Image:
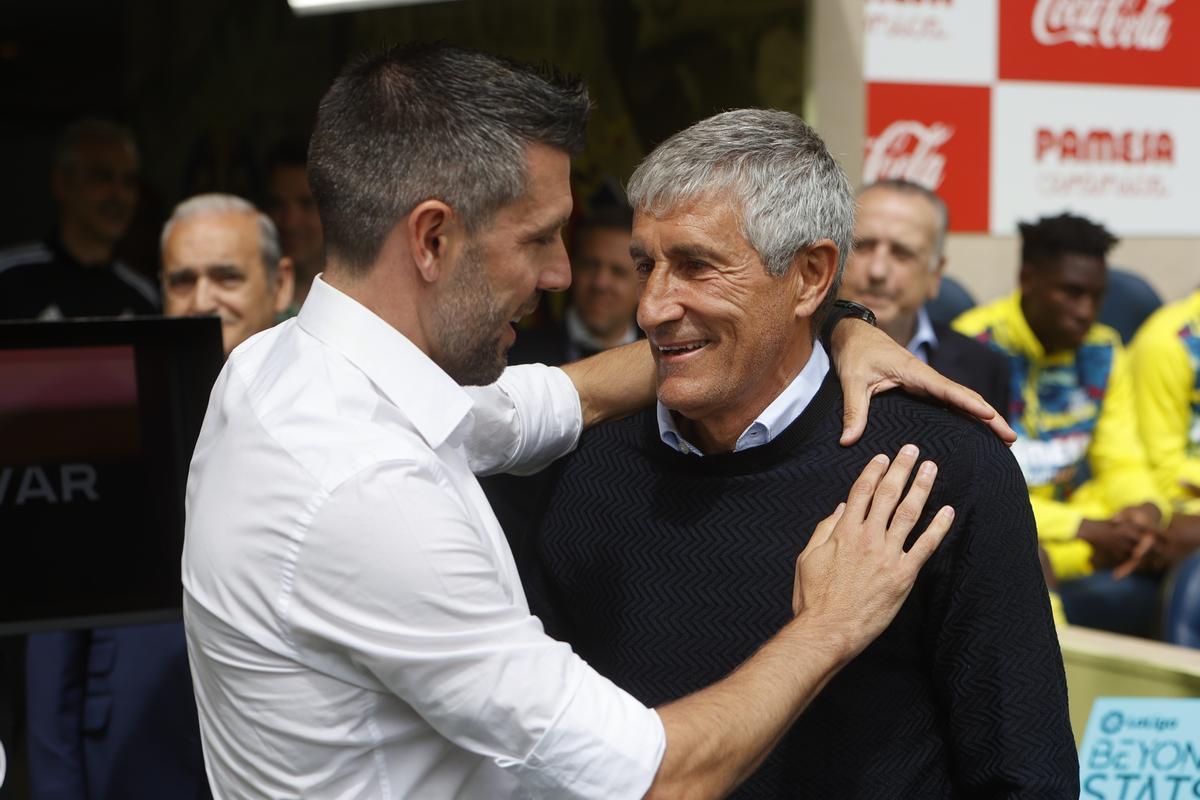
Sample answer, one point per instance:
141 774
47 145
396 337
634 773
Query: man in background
290 204
896 267
222 256
1098 509
72 272
603 295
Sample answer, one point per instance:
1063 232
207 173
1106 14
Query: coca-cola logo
908 150
1102 145
1110 24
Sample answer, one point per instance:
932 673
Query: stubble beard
468 323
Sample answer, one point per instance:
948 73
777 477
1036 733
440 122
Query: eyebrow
680 252
546 230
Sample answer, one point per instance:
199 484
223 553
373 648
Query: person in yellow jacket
1166 368
1165 358
1097 506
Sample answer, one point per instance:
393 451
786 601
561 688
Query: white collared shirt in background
924 340
356 627
783 410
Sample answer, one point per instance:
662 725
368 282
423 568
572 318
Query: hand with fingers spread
855 571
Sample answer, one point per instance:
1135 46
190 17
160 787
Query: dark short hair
431 121
1046 241
286 153
614 215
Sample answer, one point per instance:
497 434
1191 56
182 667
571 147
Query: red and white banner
1014 109
1141 42
936 136
1125 156
930 41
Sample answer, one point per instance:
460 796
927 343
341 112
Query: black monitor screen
97 424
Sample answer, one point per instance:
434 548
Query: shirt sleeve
1163 381
399 575
996 658
524 421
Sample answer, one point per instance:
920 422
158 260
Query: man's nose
659 303
878 265
205 301
556 275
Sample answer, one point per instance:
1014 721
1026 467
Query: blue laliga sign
1137 748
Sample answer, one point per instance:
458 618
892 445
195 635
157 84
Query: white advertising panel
1124 156
930 41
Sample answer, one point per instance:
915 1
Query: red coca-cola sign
1140 42
936 136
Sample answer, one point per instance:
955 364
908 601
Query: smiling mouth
681 349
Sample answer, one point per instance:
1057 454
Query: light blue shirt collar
782 411
924 340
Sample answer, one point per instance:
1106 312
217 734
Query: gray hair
790 191
89 129
941 212
215 203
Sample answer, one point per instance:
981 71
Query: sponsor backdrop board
1016 109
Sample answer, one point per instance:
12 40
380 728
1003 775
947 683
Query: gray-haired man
663 553
896 268
221 256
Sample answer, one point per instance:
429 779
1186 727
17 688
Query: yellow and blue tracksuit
1165 360
1074 414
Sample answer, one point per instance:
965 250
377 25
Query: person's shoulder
1101 335
1171 322
626 433
976 320
17 261
137 285
319 407
900 418
960 343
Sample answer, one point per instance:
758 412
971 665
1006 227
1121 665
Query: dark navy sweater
666 571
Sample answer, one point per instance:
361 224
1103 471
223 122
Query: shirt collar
924 340
429 397
782 412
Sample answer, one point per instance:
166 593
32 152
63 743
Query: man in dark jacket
896 267
664 544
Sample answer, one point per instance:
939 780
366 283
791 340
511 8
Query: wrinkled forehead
203 240
706 219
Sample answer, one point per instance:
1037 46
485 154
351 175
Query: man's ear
431 230
285 284
814 269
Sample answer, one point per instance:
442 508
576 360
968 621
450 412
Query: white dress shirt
356 626
783 410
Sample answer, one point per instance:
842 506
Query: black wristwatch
840 310
849 308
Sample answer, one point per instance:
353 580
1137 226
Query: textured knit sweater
666 571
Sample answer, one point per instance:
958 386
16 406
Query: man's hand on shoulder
869 362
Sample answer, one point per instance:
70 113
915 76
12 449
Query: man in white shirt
355 622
